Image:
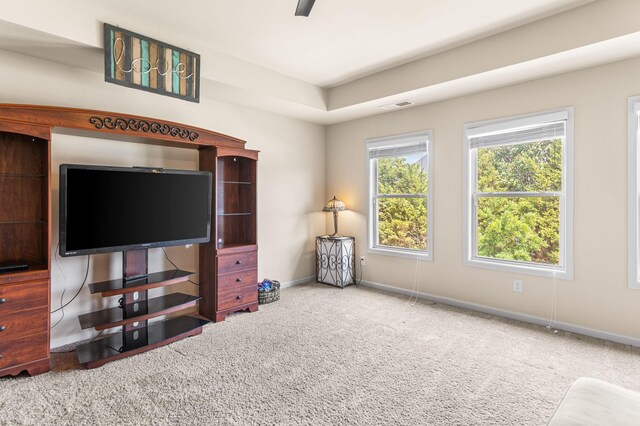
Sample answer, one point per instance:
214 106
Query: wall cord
176 266
415 291
84 281
554 306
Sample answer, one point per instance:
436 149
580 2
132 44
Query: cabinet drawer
26 349
20 296
23 323
229 282
237 262
236 297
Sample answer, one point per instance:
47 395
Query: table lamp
334 205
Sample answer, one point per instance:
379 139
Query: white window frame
398 140
633 188
565 268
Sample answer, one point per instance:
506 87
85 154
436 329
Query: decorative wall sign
143 63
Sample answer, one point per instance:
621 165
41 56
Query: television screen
109 209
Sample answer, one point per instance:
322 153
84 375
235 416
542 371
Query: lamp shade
334 205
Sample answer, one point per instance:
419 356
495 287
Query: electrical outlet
363 261
518 286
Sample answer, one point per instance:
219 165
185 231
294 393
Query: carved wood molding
143 126
165 132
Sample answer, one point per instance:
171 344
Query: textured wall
598 297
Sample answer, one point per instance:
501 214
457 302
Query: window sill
415 255
559 273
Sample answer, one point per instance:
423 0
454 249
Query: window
518 190
400 203
634 193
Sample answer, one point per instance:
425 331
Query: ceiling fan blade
304 7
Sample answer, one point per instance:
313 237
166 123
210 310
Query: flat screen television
110 209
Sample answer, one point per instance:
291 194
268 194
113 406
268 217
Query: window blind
398 150
540 132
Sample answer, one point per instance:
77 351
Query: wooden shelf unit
231 284
25 235
235 200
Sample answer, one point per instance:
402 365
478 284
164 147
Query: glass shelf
235 214
113 317
236 182
117 345
122 286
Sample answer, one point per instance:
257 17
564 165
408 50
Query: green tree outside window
402 220
516 227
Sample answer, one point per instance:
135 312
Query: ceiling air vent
398 105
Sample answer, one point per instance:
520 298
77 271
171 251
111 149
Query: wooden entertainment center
227 264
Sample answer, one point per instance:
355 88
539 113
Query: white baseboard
298 282
573 328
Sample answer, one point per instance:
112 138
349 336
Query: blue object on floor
265 285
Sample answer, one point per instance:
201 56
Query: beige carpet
321 356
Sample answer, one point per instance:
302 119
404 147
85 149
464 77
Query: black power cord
167 256
84 281
176 266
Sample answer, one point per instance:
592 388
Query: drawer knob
238 297
2 327
238 262
3 300
238 280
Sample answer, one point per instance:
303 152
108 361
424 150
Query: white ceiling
342 39
350 57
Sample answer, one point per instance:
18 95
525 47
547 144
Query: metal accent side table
335 260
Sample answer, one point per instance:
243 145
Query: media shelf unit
228 263
134 312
